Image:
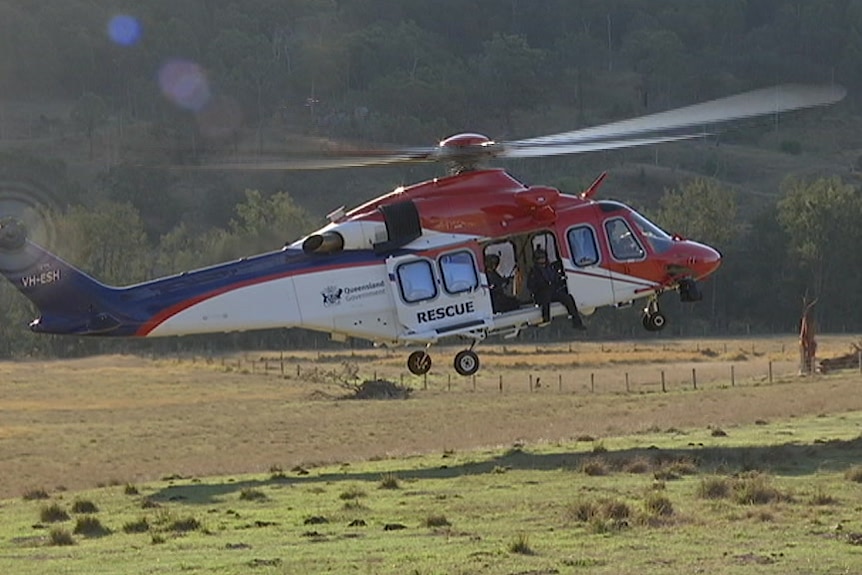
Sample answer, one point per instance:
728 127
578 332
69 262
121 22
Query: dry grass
153 418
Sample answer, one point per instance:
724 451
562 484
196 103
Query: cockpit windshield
659 239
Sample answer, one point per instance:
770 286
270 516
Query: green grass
769 498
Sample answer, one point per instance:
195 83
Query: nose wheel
653 319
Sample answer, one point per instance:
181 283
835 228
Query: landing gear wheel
419 362
654 321
466 362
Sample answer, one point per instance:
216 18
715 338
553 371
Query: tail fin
69 301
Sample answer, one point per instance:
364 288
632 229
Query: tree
508 75
821 218
88 113
107 241
702 210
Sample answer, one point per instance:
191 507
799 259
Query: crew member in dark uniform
500 300
547 281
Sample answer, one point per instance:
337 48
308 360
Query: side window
416 280
582 244
622 241
459 272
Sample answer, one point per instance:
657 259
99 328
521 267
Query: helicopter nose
704 259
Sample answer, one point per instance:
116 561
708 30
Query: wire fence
576 368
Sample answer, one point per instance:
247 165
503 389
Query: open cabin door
438 296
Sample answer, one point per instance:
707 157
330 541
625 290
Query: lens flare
124 29
184 83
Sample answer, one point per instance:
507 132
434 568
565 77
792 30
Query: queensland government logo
331 296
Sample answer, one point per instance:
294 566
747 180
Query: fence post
560 381
501 384
732 377
531 382
592 382
449 382
628 389
770 371
694 378
663 388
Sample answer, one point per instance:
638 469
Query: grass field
250 462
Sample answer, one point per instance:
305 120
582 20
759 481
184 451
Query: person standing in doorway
547 281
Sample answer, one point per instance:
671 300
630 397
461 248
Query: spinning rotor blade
326 160
465 151
746 105
580 148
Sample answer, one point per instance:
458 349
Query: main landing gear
653 319
466 362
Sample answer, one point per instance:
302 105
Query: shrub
53 513
84 506
389 481
437 521
595 466
820 497
351 493
130 489
602 516
139 526
521 545
756 489
637 465
854 474
35 494
184 525
90 526
582 511
615 510
251 494
60 537
658 505
713 488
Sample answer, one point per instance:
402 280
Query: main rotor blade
782 98
327 160
580 148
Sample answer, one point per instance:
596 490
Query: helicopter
408 268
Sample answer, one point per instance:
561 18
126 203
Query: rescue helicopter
408 267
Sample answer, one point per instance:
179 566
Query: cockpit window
658 239
624 245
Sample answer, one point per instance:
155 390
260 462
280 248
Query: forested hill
97 97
